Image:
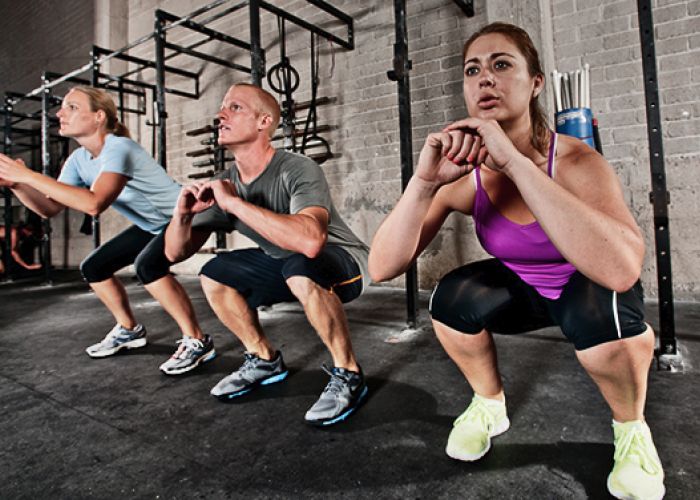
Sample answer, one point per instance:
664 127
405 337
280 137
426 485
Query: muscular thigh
590 314
487 295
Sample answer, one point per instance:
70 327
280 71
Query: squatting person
281 201
566 250
110 169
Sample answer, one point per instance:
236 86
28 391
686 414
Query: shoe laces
478 413
336 383
187 345
113 334
250 362
632 442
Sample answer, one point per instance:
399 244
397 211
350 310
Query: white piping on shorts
615 315
430 302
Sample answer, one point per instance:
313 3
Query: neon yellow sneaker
472 431
637 473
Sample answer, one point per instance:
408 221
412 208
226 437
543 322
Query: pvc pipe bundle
572 89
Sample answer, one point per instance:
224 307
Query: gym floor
74 427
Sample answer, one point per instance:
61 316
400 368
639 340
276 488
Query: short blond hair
266 103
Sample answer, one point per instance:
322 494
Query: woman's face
75 117
497 84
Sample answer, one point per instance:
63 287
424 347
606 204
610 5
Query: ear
101 116
539 86
265 121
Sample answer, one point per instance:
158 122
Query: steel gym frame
668 354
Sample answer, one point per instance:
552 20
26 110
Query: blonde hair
267 103
100 100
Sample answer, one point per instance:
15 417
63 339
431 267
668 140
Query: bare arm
93 201
36 201
305 232
438 188
586 219
181 241
14 246
584 215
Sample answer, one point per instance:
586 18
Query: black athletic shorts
261 279
488 295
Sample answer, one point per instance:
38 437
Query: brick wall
365 178
605 34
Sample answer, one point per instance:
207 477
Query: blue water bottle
576 122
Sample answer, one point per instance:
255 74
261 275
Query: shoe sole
471 458
202 359
625 496
132 344
342 416
271 380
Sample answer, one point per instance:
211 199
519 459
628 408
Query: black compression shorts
488 295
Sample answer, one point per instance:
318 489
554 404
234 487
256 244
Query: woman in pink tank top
566 250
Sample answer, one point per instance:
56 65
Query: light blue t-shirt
149 197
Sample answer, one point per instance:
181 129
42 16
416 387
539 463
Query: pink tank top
524 249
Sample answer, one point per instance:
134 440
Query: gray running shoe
189 355
344 393
118 338
253 372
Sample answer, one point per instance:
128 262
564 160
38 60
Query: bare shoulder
458 196
581 169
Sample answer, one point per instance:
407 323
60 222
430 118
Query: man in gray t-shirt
306 252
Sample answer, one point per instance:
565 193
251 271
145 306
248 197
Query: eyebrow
495 55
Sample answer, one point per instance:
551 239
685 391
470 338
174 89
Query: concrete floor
74 427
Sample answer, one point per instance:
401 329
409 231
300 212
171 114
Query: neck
252 159
519 132
93 143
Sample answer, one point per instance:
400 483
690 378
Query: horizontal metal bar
223 13
182 93
213 34
206 57
308 26
148 64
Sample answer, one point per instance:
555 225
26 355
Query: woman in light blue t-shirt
109 169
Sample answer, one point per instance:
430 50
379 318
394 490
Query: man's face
240 121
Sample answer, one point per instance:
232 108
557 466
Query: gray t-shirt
290 183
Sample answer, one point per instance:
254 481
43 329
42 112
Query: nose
59 113
486 78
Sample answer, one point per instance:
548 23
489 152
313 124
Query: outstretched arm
93 201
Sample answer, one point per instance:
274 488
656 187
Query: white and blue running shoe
118 338
344 394
253 373
189 355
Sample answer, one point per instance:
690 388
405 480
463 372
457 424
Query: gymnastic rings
285 76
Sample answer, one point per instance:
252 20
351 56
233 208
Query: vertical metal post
257 59
400 74
120 86
46 170
95 79
660 197
7 194
159 114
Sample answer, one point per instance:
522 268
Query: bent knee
465 316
